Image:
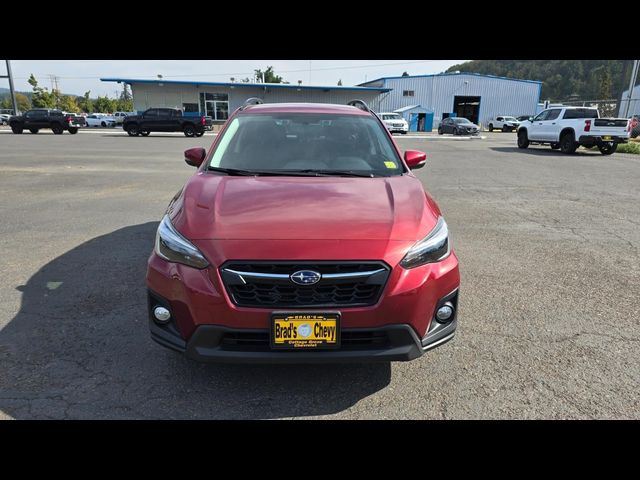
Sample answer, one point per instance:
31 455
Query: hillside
562 79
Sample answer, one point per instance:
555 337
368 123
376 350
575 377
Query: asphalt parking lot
550 299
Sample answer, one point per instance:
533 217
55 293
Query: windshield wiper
331 173
254 173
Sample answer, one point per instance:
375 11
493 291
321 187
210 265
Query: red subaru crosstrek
303 237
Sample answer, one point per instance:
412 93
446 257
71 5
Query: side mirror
531 119
195 156
415 159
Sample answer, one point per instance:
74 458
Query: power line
347 67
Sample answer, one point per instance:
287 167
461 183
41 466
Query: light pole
11 89
632 83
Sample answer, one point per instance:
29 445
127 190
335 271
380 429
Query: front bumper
204 316
215 343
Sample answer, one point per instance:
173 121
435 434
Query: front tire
132 130
505 129
73 130
145 133
199 134
456 132
189 131
523 139
57 129
568 143
439 131
103 124
16 130
491 127
34 130
608 148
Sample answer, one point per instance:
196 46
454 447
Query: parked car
96 120
458 126
120 116
635 126
166 120
567 128
394 122
38 118
4 118
303 236
504 123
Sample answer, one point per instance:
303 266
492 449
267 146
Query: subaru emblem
305 277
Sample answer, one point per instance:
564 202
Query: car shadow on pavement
545 150
79 348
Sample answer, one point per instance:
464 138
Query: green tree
68 103
405 74
41 97
104 104
22 100
268 76
85 103
124 105
126 94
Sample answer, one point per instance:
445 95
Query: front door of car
446 126
549 129
535 128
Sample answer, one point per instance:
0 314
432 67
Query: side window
29 114
499 119
553 114
541 116
152 112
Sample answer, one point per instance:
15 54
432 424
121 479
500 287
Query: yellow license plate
606 137
304 331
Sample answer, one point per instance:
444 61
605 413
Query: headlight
432 248
173 247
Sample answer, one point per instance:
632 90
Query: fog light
444 313
162 314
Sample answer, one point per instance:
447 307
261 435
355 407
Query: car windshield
309 144
391 116
461 120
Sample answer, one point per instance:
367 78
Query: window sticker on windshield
389 164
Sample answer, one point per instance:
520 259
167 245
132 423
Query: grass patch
629 148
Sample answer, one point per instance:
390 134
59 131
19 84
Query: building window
215 105
407 93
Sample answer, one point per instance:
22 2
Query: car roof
304 108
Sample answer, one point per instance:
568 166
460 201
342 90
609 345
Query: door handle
553 123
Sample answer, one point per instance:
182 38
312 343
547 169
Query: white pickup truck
567 128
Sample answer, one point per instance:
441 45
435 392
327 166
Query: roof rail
251 101
359 104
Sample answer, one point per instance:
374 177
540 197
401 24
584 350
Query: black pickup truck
166 120
38 118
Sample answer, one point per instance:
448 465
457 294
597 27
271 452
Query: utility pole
12 90
632 83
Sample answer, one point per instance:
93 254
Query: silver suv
394 122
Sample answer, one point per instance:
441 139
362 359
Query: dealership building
423 100
217 99
471 95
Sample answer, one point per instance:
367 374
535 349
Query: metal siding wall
498 96
173 96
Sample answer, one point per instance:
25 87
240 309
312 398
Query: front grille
259 340
268 284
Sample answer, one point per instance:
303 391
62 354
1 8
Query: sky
78 76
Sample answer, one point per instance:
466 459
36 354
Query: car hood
303 208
